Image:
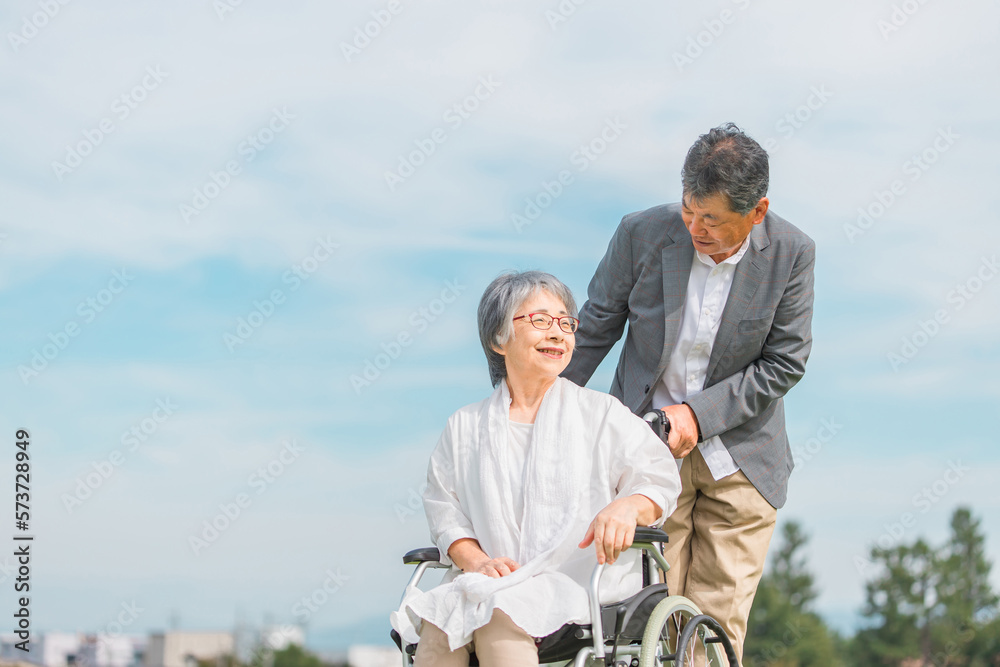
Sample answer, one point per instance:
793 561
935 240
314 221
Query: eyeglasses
543 321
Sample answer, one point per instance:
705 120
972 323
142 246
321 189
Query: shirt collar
729 260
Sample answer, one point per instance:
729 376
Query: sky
242 245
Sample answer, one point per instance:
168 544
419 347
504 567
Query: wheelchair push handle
659 422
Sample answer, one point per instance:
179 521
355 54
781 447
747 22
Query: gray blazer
760 351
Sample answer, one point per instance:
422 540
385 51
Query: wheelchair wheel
677 634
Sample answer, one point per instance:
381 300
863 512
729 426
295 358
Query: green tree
782 630
263 656
981 646
899 602
788 572
964 587
969 604
935 605
225 660
296 656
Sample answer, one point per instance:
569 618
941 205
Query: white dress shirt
707 292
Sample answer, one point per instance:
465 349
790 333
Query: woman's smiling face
532 353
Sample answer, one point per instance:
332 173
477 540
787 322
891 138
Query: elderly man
718 294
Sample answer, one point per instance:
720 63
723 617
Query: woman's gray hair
728 162
500 302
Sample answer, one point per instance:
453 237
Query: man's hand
683 436
613 529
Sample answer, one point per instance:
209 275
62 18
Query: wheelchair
651 628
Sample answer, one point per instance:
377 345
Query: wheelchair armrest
647 539
425 559
646 534
422 555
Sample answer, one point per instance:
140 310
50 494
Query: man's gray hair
728 162
500 302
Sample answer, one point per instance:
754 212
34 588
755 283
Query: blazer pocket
750 335
751 327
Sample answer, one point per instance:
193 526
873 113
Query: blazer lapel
676 262
749 273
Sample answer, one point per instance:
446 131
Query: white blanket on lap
586 450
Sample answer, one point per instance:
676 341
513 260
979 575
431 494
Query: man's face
716 230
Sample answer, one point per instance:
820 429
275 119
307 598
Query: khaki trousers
499 643
719 536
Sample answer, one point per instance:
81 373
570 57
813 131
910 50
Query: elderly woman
521 485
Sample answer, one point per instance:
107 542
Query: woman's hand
613 529
496 567
470 557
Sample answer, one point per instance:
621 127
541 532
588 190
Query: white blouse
586 449
519 439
